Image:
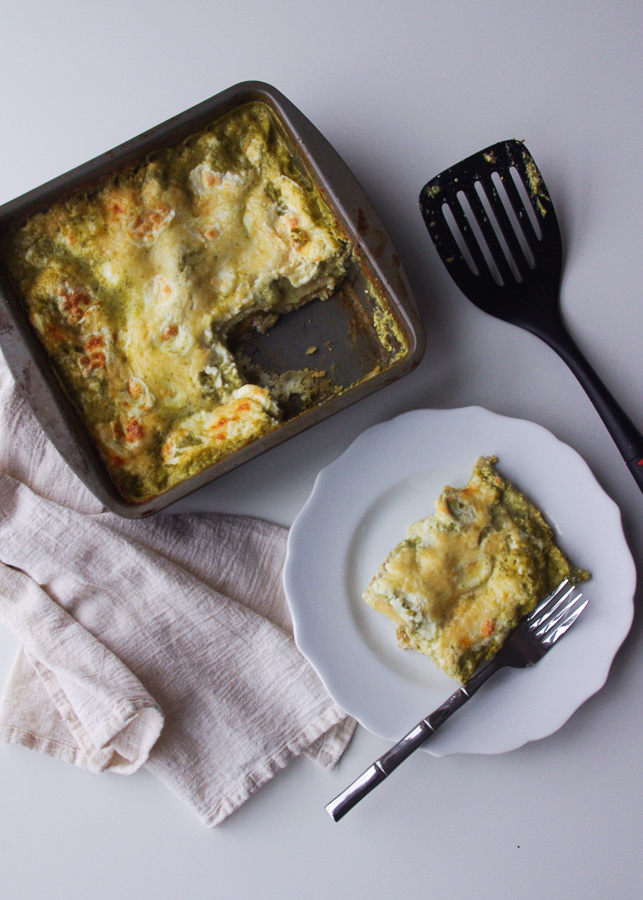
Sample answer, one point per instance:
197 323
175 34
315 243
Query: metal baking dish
342 327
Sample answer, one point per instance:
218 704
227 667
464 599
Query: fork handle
389 761
626 435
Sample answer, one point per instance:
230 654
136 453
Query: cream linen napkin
164 642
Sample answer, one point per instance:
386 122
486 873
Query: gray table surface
402 91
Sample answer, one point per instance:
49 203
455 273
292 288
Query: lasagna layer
135 288
463 578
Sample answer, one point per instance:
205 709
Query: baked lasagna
463 578
137 287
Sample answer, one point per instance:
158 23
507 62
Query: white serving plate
359 509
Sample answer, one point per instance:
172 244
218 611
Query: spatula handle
626 435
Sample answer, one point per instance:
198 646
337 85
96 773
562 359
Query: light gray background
402 91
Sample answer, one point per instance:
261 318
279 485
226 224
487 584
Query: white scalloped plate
359 509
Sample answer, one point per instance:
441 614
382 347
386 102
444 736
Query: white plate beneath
360 508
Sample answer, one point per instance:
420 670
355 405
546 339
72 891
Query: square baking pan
343 329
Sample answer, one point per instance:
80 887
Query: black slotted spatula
494 226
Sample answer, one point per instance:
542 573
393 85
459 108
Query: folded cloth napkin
162 642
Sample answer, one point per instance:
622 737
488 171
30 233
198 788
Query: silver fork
534 635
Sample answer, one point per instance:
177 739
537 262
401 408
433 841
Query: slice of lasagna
463 578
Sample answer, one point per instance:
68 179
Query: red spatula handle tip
636 468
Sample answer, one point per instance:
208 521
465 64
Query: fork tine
572 614
557 613
547 618
538 615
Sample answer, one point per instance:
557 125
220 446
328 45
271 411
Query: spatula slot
491 215
474 232
514 221
526 201
459 238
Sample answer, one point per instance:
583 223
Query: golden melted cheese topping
463 578
134 289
